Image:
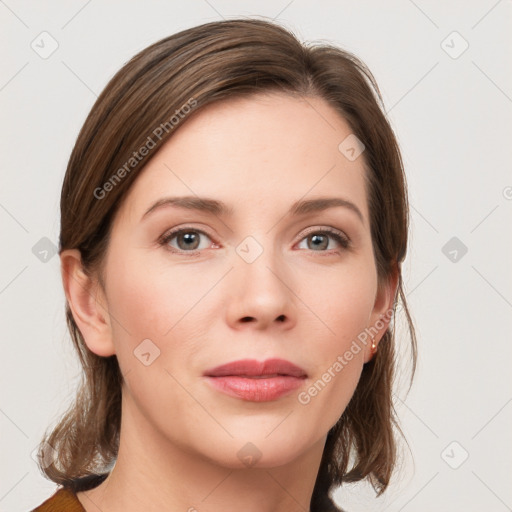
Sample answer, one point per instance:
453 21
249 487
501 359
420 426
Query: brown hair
199 66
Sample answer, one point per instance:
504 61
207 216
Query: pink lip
256 381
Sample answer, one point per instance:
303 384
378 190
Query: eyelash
164 240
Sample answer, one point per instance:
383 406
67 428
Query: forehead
252 152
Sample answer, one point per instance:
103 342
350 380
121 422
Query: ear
88 304
382 311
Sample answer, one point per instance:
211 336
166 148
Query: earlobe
87 303
382 312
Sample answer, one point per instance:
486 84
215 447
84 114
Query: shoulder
65 498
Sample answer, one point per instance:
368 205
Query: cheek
141 307
147 304
341 307
338 361
151 299
153 302
339 341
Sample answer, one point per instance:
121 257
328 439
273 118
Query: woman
252 369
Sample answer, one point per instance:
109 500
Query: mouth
250 368
256 381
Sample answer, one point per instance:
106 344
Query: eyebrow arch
219 208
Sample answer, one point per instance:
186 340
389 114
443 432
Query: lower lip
256 389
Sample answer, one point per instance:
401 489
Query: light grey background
452 113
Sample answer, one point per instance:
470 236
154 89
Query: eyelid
172 232
325 229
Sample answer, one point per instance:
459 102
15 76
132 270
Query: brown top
64 500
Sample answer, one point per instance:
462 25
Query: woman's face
253 281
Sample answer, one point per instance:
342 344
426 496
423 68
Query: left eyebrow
215 207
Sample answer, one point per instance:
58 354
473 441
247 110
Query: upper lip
254 368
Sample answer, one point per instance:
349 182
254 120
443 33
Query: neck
153 474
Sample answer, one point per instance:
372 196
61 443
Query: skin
179 436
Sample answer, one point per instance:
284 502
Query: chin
256 448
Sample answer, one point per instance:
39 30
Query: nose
261 294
